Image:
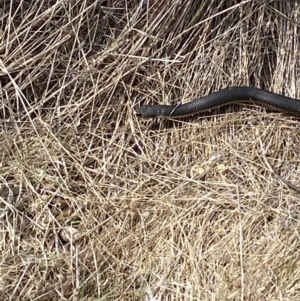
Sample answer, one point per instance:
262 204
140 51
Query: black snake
224 97
220 98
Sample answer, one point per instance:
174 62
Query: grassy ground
97 204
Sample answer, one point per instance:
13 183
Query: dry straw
96 204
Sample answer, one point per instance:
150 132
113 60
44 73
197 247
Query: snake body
223 97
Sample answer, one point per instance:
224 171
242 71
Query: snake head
152 111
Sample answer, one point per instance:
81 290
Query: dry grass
97 204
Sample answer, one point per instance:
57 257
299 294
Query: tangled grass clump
97 204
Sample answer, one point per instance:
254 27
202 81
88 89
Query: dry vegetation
97 204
